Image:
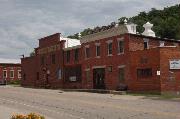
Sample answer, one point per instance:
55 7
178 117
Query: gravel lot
56 104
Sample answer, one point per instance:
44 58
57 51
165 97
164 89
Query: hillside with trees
166 23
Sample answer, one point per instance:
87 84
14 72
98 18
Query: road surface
56 104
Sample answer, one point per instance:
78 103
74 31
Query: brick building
9 72
115 58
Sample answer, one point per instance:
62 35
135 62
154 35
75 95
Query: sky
22 22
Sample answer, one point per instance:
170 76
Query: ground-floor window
19 73
147 72
11 73
5 74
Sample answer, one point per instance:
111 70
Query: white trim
109 41
145 39
161 43
71 48
97 44
88 69
121 66
19 76
86 46
96 67
10 73
169 47
97 57
120 39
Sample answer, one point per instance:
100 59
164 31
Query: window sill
97 57
120 53
109 55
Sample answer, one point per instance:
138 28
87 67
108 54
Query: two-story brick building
115 58
9 72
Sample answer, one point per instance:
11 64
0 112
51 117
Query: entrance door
98 78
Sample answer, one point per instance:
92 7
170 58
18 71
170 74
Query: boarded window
76 54
121 74
42 60
53 59
144 72
68 56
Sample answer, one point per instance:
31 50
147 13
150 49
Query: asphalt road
56 104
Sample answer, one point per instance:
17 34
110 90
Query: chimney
148 31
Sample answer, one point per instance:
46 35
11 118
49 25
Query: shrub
29 116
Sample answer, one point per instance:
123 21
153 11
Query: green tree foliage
166 22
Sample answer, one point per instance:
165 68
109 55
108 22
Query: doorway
98 78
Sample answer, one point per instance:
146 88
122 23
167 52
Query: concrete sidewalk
96 91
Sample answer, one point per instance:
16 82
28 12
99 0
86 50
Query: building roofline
70 48
157 38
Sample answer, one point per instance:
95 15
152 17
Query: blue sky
22 22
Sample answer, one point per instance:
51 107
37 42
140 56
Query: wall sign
174 64
72 78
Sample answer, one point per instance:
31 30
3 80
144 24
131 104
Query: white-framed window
87 51
161 43
19 73
109 47
146 43
120 46
98 49
11 73
4 73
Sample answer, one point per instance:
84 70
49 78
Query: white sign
158 73
174 64
72 78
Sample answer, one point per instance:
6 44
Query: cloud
22 22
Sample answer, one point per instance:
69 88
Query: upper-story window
76 54
109 47
161 43
68 56
11 73
87 51
146 43
98 50
53 58
120 46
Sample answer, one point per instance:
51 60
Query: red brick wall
168 84
137 43
28 71
8 68
111 78
141 60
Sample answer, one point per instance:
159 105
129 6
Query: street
57 104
